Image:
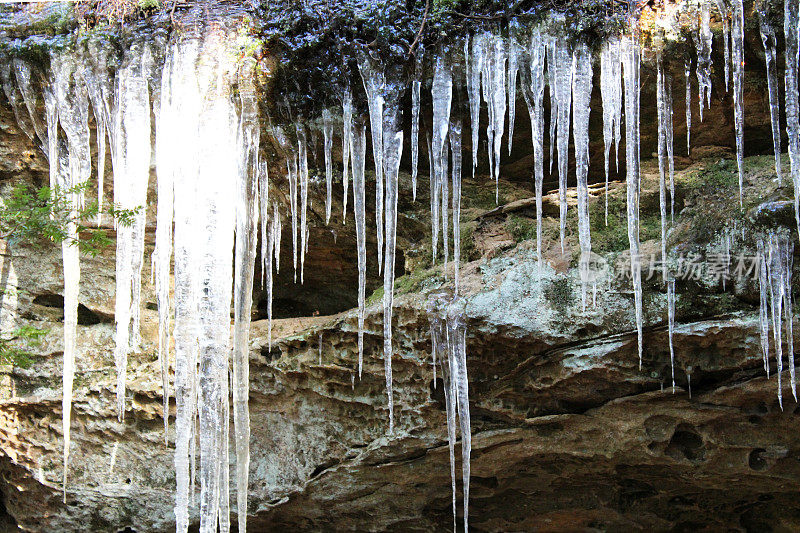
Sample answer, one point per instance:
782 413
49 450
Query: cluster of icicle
79 81
448 343
775 251
209 185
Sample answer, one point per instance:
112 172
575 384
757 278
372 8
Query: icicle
610 77
726 35
393 151
775 275
581 100
359 203
99 86
131 161
513 52
441 93
457 332
247 210
786 255
455 150
671 326
440 345
444 208
768 39
631 63
374 85
475 68
263 206
67 103
209 155
178 113
704 58
552 81
303 178
273 255
327 131
738 89
416 87
23 73
790 27
224 518
497 92
23 121
347 145
661 101
687 73
162 255
448 340
319 347
291 168
689 380
670 138
563 74
533 91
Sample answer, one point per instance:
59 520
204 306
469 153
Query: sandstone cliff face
568 432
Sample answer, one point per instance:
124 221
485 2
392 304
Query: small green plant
521 228
31 215
13 348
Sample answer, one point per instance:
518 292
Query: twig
421 28
478 17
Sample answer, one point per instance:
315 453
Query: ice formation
207 127
533 82
687 69
775 251
131 163
374 86
631 63
790 30
327 130
611 93
581 100
770 43
562 80
737 39
358 136
703 42
448 340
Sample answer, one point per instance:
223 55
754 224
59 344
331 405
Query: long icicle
533 82
327 131
247 208
416 89
790 28
737 38
581 101
631 63
442 94
347 145
455 169
68 105
162 254
359 137
131 161
374 85
393 151
687 70
563 73
769 41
